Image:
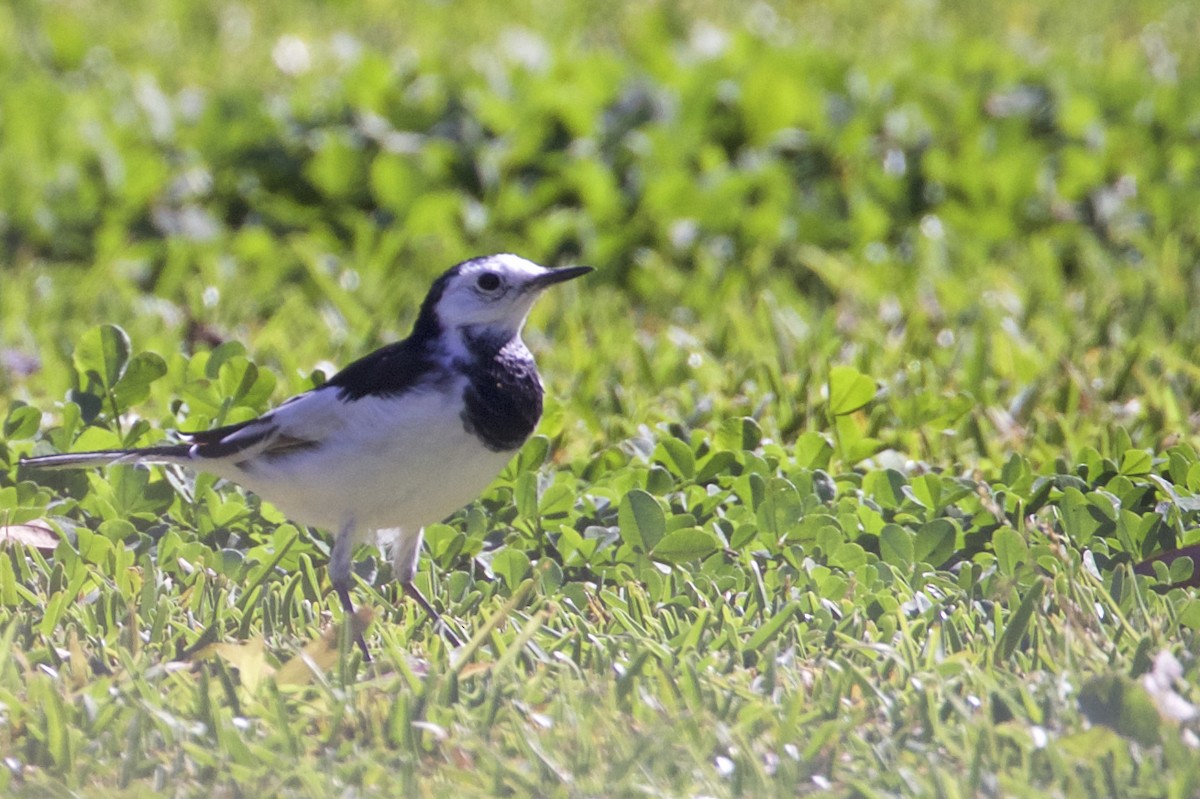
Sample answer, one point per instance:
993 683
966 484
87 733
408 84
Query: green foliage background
884 384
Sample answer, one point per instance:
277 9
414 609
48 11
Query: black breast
503 398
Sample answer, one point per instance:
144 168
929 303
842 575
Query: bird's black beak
558 276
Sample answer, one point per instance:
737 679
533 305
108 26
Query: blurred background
991 208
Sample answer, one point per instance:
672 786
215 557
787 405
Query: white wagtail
398 439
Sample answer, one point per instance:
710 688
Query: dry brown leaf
1146 567
34 534
77 664
475 669
249 658
321 654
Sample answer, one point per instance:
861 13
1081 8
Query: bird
397 440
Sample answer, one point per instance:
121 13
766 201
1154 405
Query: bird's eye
488 281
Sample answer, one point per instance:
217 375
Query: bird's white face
493 295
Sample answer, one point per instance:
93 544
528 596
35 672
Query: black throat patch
503 398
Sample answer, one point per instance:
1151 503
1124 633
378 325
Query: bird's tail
174 453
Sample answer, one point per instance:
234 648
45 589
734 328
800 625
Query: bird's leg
407 548
415 594
340 573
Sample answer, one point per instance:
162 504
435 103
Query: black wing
232 439
386 372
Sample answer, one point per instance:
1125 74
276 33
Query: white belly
381 469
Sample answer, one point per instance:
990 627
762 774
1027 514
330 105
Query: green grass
867 448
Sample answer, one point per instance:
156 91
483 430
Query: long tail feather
75 460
